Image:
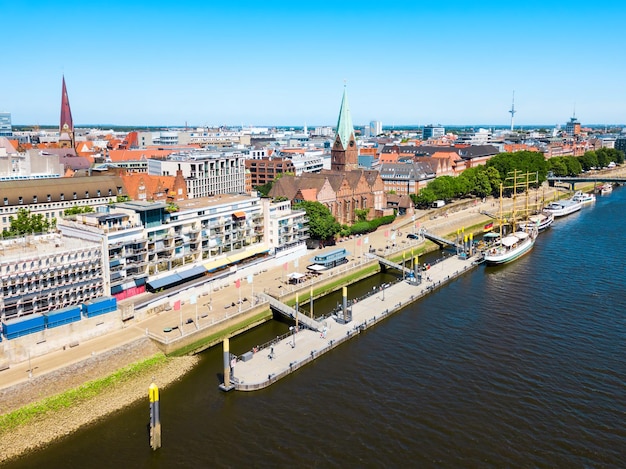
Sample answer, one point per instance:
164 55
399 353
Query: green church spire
344 123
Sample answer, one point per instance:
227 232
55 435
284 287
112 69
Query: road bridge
572 180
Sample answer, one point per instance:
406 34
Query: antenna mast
512 111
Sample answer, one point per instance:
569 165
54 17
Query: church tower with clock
66 125
344 153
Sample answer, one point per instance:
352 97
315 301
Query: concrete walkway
292 351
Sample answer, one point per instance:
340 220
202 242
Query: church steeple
344 154
66 125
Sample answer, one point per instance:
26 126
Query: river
516 366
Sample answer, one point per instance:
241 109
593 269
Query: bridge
440 241
290 313
388 263
572 180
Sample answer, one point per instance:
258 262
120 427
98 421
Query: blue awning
191 273
164 282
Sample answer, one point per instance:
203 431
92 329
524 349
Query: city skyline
282 65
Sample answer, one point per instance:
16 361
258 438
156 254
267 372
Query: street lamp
293 336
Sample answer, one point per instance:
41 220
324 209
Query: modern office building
6 130
433 131
572 128
376 128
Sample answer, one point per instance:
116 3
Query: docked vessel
521 239
584 197
542 221
560 208
606 188
511 247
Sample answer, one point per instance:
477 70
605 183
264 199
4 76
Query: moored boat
584 197
606 188
511 247
564 207
542 221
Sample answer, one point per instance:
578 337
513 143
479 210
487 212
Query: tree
588 160
573 165
25 223
76 210
558 166
322 224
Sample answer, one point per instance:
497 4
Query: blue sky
284 63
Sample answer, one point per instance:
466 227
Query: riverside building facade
153 245
206 173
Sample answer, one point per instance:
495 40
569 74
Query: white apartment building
148 247
284 227
206 173
43 273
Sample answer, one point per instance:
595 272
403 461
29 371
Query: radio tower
512 111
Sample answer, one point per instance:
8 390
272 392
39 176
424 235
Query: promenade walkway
292 351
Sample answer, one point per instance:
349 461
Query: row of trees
485 180
24 223
575 165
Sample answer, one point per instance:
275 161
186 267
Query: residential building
51 197
153 245
43 273
284 227
206 173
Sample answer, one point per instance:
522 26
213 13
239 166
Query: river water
517 366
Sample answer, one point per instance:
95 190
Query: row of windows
62 196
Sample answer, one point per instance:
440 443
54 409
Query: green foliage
588 160
171 207
25 223
265 189
122 198
361 213
74 396
77 209
322 224
522 161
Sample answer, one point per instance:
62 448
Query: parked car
412 236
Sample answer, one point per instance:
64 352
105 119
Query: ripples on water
518 366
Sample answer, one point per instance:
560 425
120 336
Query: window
49 197
6 201
86 194
34 199
74 195
62 196
20 200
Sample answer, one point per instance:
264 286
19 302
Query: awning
211 266
316 267
238 256
253 251
164 282
191 273
296 275
239 214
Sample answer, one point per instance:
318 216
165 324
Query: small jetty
263 366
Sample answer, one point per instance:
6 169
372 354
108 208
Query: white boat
606 188
511 247
564 207
542 221
584 197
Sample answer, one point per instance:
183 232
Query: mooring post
155 417
311 308
344 302
226 363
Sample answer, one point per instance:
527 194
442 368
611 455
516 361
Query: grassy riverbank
42 422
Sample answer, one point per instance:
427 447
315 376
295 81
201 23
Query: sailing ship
514 245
